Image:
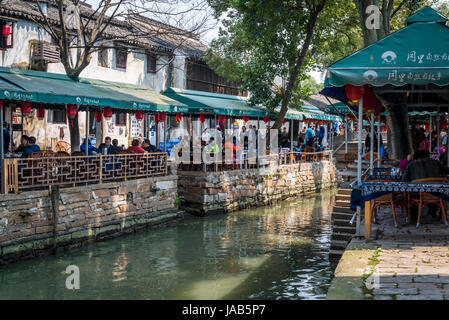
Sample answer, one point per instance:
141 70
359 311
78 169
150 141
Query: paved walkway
412 263
402 263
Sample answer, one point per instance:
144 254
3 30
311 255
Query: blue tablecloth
368 191
392 177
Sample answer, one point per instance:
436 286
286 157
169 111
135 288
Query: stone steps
342 209
336 236
343 197
344 204
342 231
342 215
339 244
342 222
335 255
344 192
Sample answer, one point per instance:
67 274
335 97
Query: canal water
274 252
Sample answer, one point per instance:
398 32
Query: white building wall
135 73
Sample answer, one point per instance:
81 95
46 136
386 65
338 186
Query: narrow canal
275 252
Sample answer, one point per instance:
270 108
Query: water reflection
276 252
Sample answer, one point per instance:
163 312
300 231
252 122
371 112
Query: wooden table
373 190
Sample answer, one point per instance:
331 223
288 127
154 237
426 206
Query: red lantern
139 114
178 117
245 118
266 119
284 121
369 99
107 112
6 31
1 104
353 92
202 118
162 116
221 118
25 107
156 118
40 113
443 124
71 112
384 128
98 116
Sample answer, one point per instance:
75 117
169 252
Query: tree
268 45
392 17
80 30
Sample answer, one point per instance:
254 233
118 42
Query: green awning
51 88
215 103
325 117
367 123
416 54
294 114
339 108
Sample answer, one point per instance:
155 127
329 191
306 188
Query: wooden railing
42 172
244 161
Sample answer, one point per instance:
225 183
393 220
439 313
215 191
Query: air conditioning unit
45 52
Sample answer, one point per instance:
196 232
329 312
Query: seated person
212 146
107 147
31 147
91 150
135 147
404 162
23 144
115 146
148 147
423 167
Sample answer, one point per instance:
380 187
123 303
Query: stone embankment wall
86 214
215 192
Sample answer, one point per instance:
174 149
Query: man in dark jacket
106 147
31 147
424 167
148 147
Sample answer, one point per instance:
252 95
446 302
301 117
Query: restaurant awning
340 109
417 54
215 103
51 88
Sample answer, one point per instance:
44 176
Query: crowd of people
110 146
314 137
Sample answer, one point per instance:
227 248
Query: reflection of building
157 63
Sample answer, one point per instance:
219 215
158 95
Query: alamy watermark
72 282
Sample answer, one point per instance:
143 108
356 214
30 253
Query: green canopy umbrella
416 54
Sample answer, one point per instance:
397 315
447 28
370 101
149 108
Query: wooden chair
62 146
309 150
349 158
391 199
427 198
368 155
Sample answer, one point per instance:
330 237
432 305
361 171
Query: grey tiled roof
118 29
